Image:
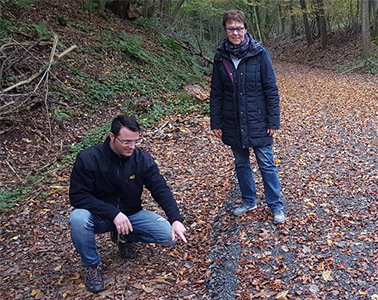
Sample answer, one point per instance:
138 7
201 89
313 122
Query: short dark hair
124 121
234 15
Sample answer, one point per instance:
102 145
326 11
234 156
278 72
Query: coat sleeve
268 79
160 191
82 187
216 98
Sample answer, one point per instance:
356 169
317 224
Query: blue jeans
148 227
269 173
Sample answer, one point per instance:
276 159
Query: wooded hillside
69 67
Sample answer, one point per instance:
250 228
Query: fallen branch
14 171
25 44
47 165
30 79
46 75
188 47
64 53
372 62
14 105
355 67
34 76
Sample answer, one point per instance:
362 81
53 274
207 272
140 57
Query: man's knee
79 218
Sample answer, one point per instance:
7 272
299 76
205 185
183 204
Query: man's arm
82 187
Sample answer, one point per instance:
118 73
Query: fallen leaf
327 275
282 295
34 292
58 268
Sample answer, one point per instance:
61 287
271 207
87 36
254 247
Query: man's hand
178 230
122 223
217 133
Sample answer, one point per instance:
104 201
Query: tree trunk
177 9
306 24
365 27
293 24
164 8
357 10
322 23
257 23
125 9
280 19
375 18
148 8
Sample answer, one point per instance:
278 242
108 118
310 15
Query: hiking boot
94 281
127 250
243 208
125 247
279 217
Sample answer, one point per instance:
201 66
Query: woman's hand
271 131
217 133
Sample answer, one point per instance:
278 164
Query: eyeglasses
232 29
129 143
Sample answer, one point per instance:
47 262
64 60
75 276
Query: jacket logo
132 177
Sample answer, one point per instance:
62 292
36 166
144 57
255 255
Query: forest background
68 67
37 76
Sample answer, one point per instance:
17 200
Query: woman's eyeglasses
232 29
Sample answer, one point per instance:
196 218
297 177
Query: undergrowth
143 75
365 65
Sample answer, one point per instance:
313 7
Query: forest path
326 152
327 156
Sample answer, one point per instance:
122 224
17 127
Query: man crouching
106 185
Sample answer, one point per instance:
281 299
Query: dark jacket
106 184
245 108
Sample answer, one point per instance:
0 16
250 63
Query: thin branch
47 165
46 75
355 67
372 62
34 76
64 53
25 44
53 50
14 171
31 78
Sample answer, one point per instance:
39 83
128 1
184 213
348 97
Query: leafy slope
326 152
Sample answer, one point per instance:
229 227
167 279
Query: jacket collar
111 154
255 48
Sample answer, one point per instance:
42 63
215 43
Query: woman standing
245 110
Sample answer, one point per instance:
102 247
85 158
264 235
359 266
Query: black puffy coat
245 107
106 184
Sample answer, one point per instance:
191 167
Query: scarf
240 50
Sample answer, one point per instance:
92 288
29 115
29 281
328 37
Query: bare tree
125 9
306 23
322 23
375 18
365 27
148 8
280 19
257 22
177 9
